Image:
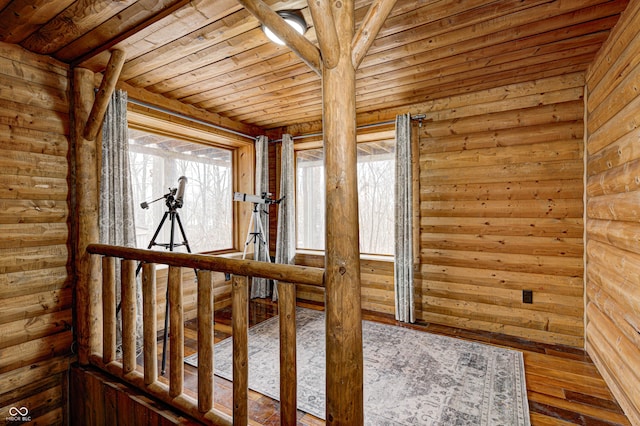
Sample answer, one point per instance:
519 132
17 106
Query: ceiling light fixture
292 17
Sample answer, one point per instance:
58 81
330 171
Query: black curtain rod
186 117
313 135
418 117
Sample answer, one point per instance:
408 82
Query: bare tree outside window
376 178
157 162
310 199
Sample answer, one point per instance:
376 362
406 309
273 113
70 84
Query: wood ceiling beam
326 31
366 34
309 53
109 80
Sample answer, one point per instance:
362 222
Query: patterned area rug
410 377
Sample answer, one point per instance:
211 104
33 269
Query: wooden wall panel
613 228
98 399
501 211
376 283
501 207
35 286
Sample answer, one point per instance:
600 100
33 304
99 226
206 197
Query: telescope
175 196
265 198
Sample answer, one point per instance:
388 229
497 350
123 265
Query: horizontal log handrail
251 268
104 356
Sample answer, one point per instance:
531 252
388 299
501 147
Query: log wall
376 279
35 257
501 206
613 228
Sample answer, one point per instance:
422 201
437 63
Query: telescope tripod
257 236
174 217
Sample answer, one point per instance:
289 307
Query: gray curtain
403 266
286 234
261 287
117 225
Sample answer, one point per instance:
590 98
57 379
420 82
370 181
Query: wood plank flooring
563 384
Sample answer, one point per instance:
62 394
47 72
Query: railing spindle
128 306
239 332
176 331
288 380
102 353
205 341
109 309
149 317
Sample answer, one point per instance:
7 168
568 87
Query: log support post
87 268
342 258
342 51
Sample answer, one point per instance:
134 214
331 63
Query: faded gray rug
410 377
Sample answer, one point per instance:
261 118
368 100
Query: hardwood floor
563 384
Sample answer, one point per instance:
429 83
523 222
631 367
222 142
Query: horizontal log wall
35 285
376 278
613 217
501 206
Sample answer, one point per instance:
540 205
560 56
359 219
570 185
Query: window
157 162
376 178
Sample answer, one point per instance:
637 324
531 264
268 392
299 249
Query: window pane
310 199
376 200
376 196
157 162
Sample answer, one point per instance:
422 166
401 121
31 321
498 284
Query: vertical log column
342 261
87 280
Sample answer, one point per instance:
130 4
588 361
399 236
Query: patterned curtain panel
286 234
261 287
403 266
117 226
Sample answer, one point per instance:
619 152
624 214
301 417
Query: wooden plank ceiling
212 53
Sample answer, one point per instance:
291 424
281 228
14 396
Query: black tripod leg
184 236
153 239
184 239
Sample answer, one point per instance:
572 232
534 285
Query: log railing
102 321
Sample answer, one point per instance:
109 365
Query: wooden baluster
240 326
288 385
128 307
176 332
149 317
205 341
109 309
